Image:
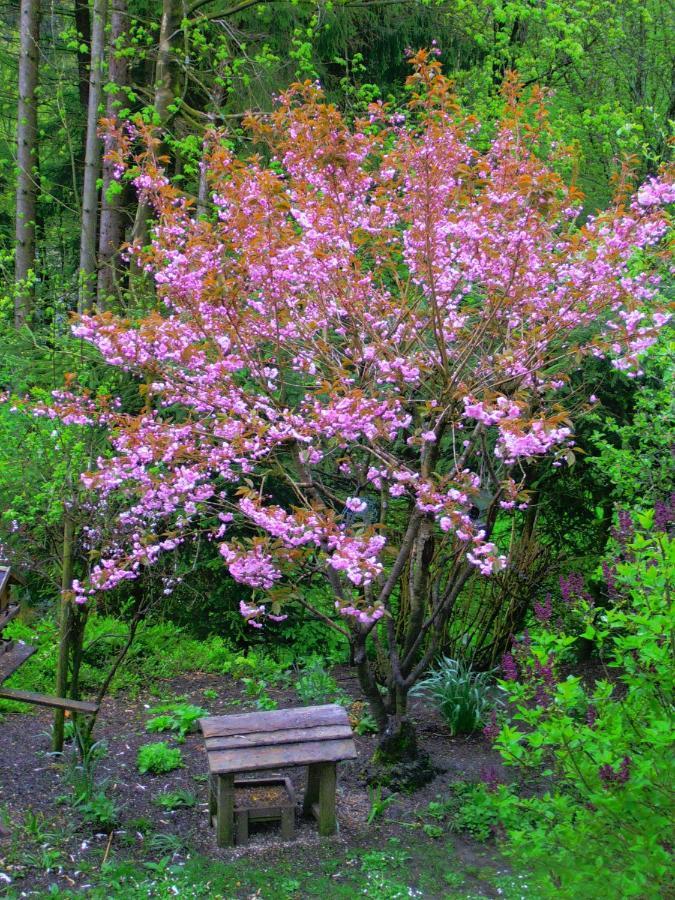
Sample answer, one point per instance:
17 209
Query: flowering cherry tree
381 317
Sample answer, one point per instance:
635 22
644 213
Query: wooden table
315 736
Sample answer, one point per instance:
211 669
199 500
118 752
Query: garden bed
32 792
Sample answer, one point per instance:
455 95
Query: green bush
158 758
461 695
601 824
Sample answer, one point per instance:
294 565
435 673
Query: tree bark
92 160
162 100
66 628
27 180
112 226
83 26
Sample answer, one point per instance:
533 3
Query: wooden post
327 788
213 805
312 789
225 814
242 827
288 824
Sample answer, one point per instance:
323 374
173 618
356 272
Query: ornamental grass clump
461 695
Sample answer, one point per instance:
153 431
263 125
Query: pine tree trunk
112 227
27 185
92 160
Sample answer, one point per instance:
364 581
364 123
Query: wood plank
80 706
4 577
241 817
273 720
327 787
288 823
12 659
272 757
225 813
9 613
289 736
311 798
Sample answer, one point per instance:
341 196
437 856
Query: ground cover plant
158 758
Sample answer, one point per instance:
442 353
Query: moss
398 763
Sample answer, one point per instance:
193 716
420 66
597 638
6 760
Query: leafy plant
265 702
100 811
158 758
607 746
168 844
469 809
378 803
181 799
461 695
89 795
315 685
179 717
366 725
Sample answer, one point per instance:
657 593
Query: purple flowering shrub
596 820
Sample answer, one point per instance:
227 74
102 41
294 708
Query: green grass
392 869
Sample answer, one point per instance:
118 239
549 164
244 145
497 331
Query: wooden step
79 706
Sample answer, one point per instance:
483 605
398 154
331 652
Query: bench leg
312 789
242 827
225 813
287 824
213 805
327 787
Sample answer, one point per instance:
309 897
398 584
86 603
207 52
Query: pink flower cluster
253 567
385 317
357 557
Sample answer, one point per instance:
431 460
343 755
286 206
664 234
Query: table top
277 738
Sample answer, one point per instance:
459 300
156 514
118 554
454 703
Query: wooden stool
315 736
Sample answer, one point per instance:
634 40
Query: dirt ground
31 782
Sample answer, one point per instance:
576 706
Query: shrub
461 695
604 827
158 758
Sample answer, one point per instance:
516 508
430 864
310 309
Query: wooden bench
14 657
315 736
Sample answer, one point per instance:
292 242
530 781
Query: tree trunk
112 227
66 628
162 101
27 180
92 160
83 26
